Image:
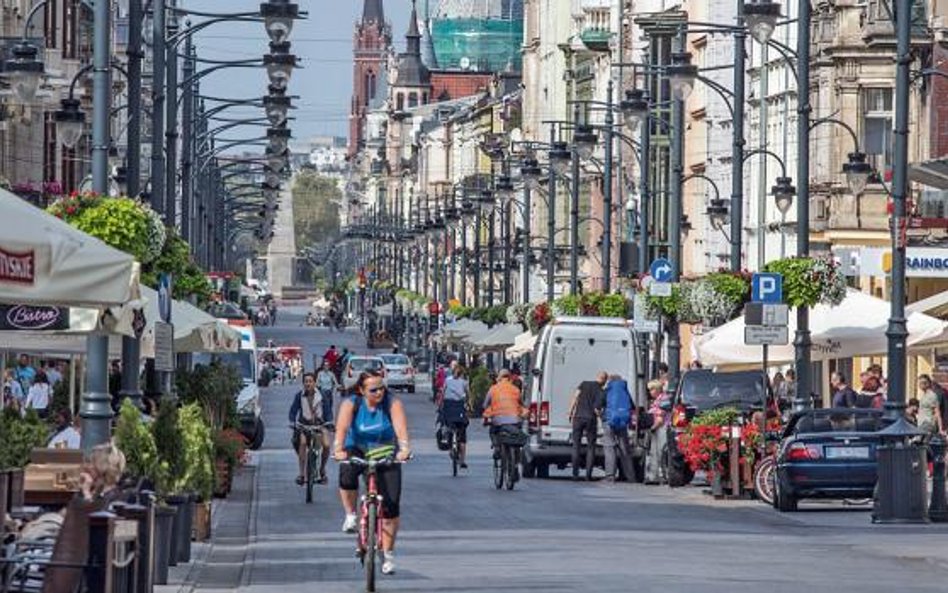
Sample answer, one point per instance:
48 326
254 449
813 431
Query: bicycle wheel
371 546
500 462
312 463
764 475
455 453
511 472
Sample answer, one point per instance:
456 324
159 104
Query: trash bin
901 487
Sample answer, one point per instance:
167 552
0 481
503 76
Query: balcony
878 28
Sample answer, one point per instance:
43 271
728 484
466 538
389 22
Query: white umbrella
523 344
194 330
45 261
384 310
856 327
498 338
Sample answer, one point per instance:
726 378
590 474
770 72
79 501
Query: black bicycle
314 453
508 444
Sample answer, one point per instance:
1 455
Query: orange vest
504 400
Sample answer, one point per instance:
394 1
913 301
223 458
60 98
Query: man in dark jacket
310 408
588 402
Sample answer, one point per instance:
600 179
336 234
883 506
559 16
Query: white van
571 350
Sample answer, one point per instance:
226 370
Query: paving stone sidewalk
219 565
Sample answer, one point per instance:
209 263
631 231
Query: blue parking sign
767 288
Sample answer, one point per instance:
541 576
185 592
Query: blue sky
323 42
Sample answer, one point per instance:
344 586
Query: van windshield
242 360
706 390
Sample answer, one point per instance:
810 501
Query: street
462 535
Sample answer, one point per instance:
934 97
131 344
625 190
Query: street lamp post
897 332
802 341
574 213
96 409
551 217
607 196
674 212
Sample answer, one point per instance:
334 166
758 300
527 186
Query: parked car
571 350
358 365
698 391
399 372
830 454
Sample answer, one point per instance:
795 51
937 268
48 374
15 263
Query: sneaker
388 563
349 525
463 465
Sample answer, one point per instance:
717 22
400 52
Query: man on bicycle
327 384
372 425
310 408
503 407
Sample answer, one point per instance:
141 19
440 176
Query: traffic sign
164 346
764 335
660 289
661 269
766 314
767 288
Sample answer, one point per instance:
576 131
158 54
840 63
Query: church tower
412 86
371 43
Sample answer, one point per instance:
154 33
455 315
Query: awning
45 261
935 305
384 310
854 328
459 330
497 338
523 344
933 173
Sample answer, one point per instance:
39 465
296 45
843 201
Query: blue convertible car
828 453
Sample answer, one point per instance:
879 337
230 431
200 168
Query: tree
315 208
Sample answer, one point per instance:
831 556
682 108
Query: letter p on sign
767 288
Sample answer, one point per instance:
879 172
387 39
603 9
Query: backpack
618 405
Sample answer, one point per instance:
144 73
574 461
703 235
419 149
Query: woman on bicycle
372 425
453 411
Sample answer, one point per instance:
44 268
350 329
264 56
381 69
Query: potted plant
170 444
229 449
197 481
18 437
705 444
809 281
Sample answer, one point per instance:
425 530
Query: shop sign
30 318
17 267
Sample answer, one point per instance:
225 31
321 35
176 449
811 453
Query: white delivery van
571 350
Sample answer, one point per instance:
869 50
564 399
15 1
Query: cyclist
312 409
372 425
328 384
503 407
452 410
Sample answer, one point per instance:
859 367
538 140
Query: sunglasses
375 389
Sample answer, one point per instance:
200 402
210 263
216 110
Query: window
50 21
400 102
877 113
412 100
50 144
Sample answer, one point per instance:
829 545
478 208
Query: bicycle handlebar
360 462
312 427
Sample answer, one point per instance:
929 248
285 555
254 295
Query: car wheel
543 470
258 435
784 501
411 389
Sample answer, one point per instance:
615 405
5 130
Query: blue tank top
371 429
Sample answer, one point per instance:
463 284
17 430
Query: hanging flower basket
809 281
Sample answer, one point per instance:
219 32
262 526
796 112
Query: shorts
389 480
295 439
460 430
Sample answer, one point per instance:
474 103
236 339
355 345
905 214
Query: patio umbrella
45 261
523 344
856 327
498 338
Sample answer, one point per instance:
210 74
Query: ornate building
371 45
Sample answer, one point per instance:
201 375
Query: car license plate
847 452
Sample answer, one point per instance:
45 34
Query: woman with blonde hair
101 472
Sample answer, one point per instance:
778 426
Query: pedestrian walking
24 373
584 412
616 419
12 390
870 393
929 412
843 394
39 395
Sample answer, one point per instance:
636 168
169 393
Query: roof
933 173
372 11
412 71
455 84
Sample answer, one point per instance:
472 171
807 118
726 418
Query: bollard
144 516
99 560
938 509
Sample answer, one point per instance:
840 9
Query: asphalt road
462 535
